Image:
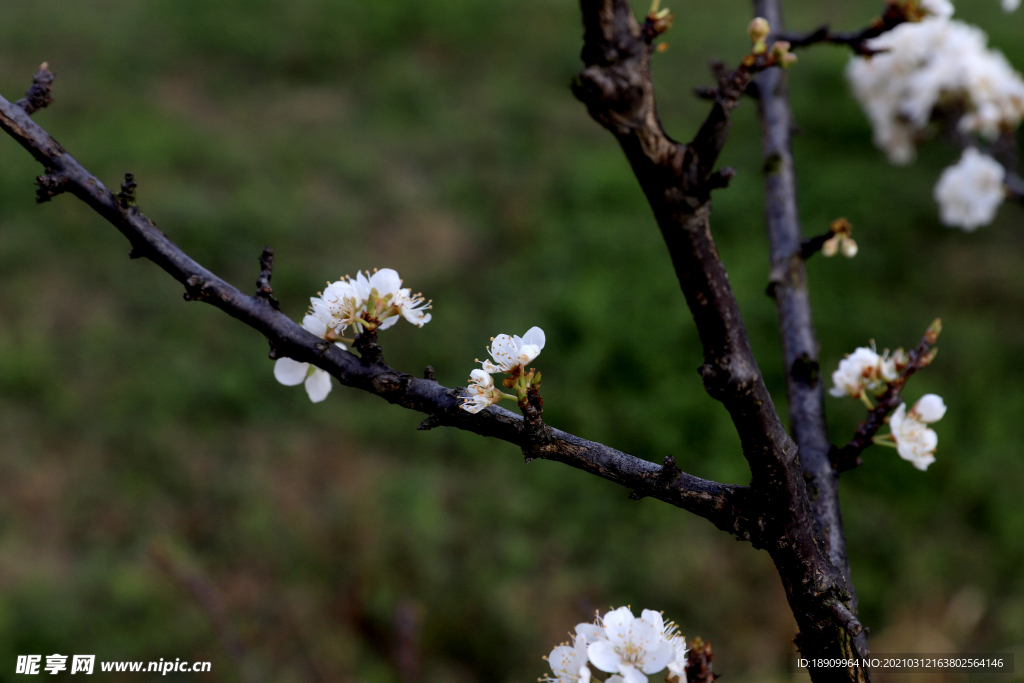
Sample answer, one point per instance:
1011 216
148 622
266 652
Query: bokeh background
161 496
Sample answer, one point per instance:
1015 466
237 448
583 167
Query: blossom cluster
914 441
368 302
628 647
866 371
937 62
509 354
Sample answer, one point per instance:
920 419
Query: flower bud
930 408
758 30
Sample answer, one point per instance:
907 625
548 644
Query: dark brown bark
616 87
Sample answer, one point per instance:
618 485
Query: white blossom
482 392
859 371
514 352
1010 5
344 303
970 191
634 646
412 307
914 441
677 664
569 663
291 372
935 62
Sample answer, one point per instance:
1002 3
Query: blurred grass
439 138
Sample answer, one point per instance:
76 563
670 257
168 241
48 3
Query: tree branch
724 505
893 16
788 286
617 90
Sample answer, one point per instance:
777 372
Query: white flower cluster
935 62
914 441
1010 5
865 370
628 647
369 302
511 355
969 192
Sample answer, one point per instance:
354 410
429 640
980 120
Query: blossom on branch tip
569 663
514 352
970 191
482 392
369 301
859 371
291 372
914 441
634 646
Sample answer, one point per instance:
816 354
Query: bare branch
725 506
893 15
800 351
848 457
38 95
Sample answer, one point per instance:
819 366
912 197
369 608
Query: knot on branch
126 197
369 350
263 288
38 95
49 186
197 288
389 384
669 472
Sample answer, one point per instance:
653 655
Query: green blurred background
145 445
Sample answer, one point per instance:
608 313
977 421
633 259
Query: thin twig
893 16
724 505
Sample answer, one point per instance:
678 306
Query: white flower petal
658 659
388 322
318 385
603 655
618 625
290 372
930 408
534 336
631 675
591 633
385 281
527 352
314 324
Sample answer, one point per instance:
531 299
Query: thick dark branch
725 506
848 457
617 89
893 16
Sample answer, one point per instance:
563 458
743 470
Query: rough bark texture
616 87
